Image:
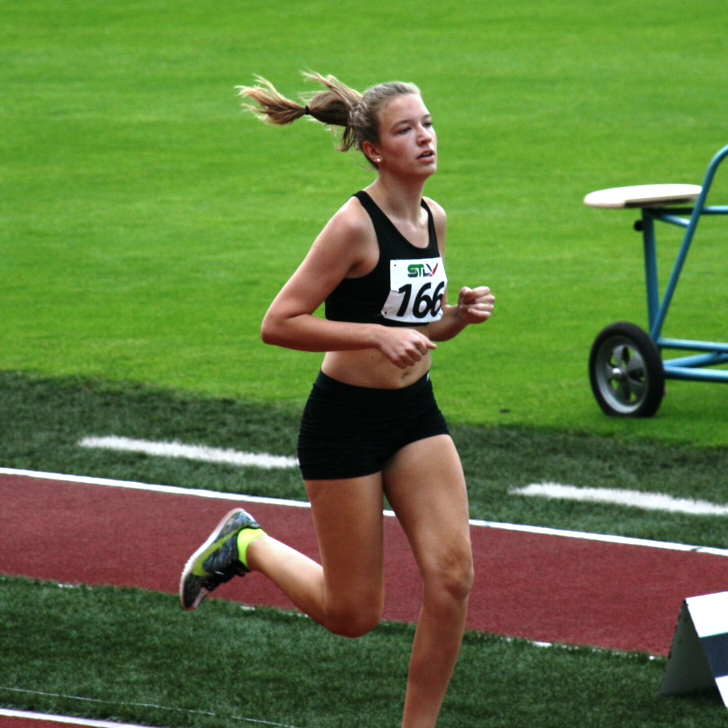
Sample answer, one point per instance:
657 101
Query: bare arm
475 306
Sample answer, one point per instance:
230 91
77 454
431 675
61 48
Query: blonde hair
336 106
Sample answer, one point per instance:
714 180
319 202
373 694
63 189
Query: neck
402 198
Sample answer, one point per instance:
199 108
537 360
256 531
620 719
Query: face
407 139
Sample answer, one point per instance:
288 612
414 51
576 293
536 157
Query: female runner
371 427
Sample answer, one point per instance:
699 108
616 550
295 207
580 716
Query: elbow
268 332
283 331
274 331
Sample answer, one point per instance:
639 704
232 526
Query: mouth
427 155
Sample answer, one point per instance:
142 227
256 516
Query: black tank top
405 288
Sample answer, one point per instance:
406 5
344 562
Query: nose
425 133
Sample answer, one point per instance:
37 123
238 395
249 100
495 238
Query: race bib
417 288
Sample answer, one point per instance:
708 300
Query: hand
404 347
475 305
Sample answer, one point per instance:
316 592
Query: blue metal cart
627 370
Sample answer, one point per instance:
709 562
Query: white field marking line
476 523
107 724
631 498
189 452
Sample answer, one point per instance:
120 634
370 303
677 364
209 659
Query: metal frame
713 353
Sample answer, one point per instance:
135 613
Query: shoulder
439 217
436 207
350 222
437 210
348 240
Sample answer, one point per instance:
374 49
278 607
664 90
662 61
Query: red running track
537 586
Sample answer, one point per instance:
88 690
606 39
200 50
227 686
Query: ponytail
272 106
336 106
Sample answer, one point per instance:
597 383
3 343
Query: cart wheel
626 371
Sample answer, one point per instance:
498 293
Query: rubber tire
626 372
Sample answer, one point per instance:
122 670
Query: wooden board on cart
667 195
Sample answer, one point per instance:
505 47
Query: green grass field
146 224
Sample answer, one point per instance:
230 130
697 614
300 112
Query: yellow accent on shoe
245 537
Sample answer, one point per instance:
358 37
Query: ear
371 152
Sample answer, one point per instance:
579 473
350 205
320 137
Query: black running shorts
349 432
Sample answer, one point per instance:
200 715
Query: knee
353 622
452 581
355 617
459 583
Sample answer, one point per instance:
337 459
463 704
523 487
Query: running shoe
216 561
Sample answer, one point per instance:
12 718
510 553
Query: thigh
348 519
425 485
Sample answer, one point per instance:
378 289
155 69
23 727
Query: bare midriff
370 368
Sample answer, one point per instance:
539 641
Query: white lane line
93 723
68 720
170 489
476 523
189 452
631 498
